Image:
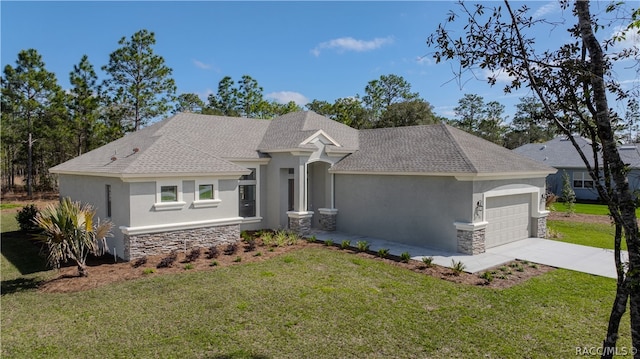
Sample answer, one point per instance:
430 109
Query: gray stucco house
198 180
560 154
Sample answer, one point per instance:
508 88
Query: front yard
310 302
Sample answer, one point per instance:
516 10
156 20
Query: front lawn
312 303
587 208
598 235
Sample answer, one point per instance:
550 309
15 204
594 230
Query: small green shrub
245 235
25 218
363 246
148 271
258 254
292 238
457 267
383 252
328 242
238 260
428 261
213 263
267 238
280 238
405 257
345 244
312 239
487 276
188 266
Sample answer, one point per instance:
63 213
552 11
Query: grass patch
588 208
292 312
9 205
598 235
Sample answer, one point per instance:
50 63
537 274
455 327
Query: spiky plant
71 234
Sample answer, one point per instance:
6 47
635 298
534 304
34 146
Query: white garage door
508 218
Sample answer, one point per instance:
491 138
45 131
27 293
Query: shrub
312 239
428 261
188 266
258 254
168 261
457 267
139 262
238 260
147 271
383 252
363 246
231 248
26 217
213 252
405 257
251 244
245 235
345 244
328 242
280 238
213 263
193 255
487 276
292 238
267 238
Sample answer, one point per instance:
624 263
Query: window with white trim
206 193
582 180
168 195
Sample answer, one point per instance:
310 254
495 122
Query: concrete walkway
575 257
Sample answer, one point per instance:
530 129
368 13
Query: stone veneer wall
540 225
328 221
471 242
140 245
300 225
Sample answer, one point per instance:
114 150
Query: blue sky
295 50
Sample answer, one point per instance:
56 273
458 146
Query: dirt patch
577 217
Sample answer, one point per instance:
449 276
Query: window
247 193
582 180
108 199
205 191
168 193
168 196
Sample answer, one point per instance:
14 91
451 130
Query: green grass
9 205
587 234
586 208
314 303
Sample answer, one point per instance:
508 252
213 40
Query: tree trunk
82 270
623 210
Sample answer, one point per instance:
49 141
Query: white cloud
631 38
546 9
201 65
285 97
350 44
424 60
501 76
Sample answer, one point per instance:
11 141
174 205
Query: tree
573 83
568 195
71 234
189 102
84 104
408 113
387 90
31 98
482 119
139 83
528 124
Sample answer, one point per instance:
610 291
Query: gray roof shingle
558 152
432 149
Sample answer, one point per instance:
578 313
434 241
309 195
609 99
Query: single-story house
198 180
560 154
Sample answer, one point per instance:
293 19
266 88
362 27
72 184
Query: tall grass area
312 303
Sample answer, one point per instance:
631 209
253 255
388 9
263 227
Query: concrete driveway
575 257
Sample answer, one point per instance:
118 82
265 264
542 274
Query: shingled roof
202 144
433 149
558 152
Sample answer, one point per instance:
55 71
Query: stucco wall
92 190
416 210
275 198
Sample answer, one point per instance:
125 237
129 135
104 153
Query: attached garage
508 219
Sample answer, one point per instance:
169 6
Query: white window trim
168 206
204 203
582 177
256 182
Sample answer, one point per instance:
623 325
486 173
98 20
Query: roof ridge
463 153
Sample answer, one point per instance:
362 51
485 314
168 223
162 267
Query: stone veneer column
471 237
300 222
539 224
148 244
328 218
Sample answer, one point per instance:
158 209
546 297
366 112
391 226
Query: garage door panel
508 219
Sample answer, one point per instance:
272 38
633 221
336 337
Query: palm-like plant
71 234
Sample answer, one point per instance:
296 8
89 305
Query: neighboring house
562 155
197 180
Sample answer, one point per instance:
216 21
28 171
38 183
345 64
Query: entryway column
328 218
300 222
471 237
